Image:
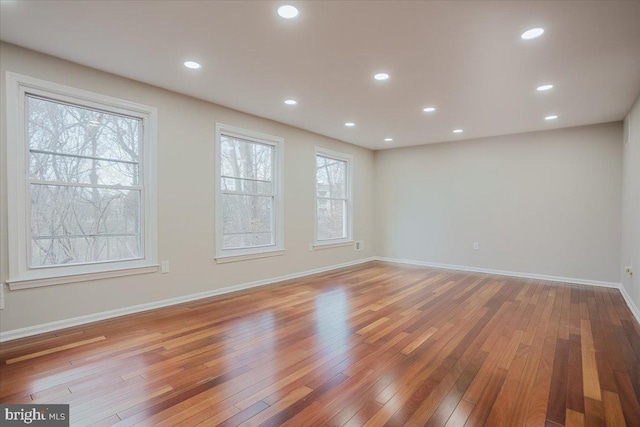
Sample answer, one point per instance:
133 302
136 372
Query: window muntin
333 202
249 194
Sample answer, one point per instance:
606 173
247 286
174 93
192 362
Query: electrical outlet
359 245
310 247
164 267
629 270
476 246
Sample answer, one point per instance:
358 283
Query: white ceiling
465 58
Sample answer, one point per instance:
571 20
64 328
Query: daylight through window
81 171
333 199
248 193
84 184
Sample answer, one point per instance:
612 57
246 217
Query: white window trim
241 254
20 275
348 240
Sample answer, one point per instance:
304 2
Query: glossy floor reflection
375 344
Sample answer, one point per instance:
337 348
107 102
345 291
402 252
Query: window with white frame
81 182
333 197
248 194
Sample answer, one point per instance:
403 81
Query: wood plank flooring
371 345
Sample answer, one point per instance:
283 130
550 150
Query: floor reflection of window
251 341
331 317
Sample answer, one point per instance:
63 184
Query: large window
249 194
333 197
81 186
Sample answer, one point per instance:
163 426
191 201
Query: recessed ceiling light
544 87
192 65
349 124
551 117
287 11
381 76
458 131
291 102
429 109
532 33
388 140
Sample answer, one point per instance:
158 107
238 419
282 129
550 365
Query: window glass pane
247 160
62 215
247 167
331 177
61 168
331 219
247 221
78 145
70 129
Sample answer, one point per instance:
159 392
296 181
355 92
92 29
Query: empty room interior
320 213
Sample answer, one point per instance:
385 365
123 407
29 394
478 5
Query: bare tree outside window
248 193
84 183
331 198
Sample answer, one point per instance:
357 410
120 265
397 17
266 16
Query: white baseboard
503 272
75 321
627 298
632 306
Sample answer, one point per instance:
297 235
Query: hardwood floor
376 344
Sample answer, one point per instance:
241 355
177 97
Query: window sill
222 259
329 245
82 277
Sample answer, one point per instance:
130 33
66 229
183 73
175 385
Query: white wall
186 200
631 206
539 203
